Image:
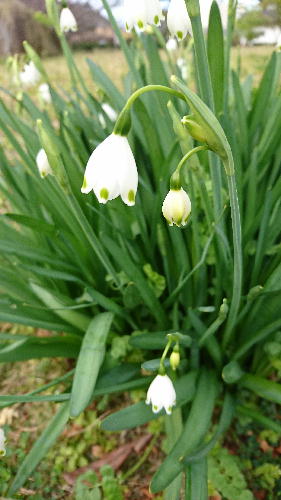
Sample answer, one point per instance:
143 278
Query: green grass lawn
112 61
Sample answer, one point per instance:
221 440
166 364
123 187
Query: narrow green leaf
215 48
90 359
40 448
197 481
263 387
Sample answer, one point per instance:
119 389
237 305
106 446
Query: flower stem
163 357
175 178
122 125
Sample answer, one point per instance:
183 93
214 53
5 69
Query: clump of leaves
226 477
88 486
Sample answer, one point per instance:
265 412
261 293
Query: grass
112 61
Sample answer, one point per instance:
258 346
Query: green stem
238 262
122 125
175 182
162 370
173 426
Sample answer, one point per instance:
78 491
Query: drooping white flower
135 14
30 75
44 92
171 45
161 394
67 20
42 163
176 207
2 443
140 13
111 171
178 20
109 111
154 12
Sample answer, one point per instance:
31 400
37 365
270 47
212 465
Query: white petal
154 12
178 19
67 20
111 171
43 163
135 14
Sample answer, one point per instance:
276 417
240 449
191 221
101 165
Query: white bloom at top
111 171
30 75
140 13
2 443
135 14
178 20
171 45
109 111
161 394
67 20
176 207
154 12
44 92
42 163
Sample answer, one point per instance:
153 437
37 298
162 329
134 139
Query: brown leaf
115 458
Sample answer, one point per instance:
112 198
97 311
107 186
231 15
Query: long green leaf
90 359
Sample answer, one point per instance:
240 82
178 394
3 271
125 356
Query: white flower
139 13
43 163
176 207
67 20
44 92
171 45
30 75
2 443
161 394
178 19
154 12
181 63
109 111
111 171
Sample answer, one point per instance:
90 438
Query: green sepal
123 124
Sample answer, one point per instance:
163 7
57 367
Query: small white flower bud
43 164
2 443
176 207
67 20
161 394
178 20
111 171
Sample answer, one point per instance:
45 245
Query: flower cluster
141 13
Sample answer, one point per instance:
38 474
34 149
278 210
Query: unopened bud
175 358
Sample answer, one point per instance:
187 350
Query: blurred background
258 23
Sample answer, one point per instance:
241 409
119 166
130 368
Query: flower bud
161 394
176 207
175 358
44 93
43 164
